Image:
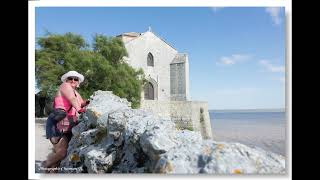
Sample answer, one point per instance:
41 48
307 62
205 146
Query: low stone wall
158 108
201 119
192 115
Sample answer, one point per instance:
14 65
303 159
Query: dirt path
43 146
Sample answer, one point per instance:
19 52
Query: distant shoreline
247 110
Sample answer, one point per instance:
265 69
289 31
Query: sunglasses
73 78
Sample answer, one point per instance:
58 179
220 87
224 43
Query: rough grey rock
103 103
98 161
113 138
82 126
219 158
89 137
158 138
117 122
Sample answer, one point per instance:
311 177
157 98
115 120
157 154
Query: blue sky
236 54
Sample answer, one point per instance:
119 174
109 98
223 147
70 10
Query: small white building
166 70
166 93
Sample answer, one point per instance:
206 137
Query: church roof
136 35
162 40
179 58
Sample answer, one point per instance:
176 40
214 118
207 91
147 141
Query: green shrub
102 66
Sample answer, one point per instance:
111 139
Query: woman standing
67 103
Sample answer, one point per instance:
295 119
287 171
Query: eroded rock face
219 158
113 138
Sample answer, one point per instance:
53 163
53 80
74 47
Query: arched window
148 91
150 61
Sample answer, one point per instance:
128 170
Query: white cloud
272 68
233 59
225 60
274 12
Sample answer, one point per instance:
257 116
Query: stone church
166 93
166 70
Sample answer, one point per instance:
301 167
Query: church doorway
149 91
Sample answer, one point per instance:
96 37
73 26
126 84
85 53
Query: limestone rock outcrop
113 138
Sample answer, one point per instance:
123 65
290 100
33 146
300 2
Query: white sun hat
72 74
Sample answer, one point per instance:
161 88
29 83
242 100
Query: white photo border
155 3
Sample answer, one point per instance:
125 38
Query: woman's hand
82 110
86 103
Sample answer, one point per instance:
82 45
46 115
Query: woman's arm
68 92
83 102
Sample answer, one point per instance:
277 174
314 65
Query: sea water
264 129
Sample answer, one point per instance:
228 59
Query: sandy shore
266 136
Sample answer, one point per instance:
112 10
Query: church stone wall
163 54
187 78
177 81
179 77
192 115
171 69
